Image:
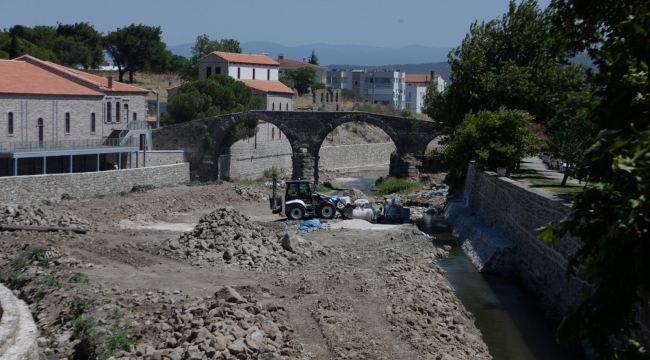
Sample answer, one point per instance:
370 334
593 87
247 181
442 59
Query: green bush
26 258
395 186
324 187
79 306
78 278
268 173
66 196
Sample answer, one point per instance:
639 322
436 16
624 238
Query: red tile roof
83 77
245 58
296 64
419 78
21 77
268 86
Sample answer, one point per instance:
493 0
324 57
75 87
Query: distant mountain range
339 54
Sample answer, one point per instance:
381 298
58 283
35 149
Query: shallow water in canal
512 326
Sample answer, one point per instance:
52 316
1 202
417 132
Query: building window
208 71
322 97
117 112
272 133
273 106
253 74
108 112
217 70
268 74
238 73
135 116
10 123
67 123
287 107
93 127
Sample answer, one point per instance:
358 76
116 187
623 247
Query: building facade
48 110
416 89
259 72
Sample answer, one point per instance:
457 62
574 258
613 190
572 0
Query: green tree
350 95
300 79
515 61
219 94
612 217
313 59
78 44
491 139
136 47
202 47
572 132
177 63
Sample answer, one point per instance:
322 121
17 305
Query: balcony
67 147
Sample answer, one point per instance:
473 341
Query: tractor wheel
296 212
326 210
340 205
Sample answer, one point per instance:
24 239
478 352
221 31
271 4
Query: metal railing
62 145
134 125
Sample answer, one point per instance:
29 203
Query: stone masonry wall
516 211
351 156
162 157
18 332
20 189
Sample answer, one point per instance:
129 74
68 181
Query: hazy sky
435 23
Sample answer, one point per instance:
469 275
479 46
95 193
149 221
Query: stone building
291 64
327 100
51 113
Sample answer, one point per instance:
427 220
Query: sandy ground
376 294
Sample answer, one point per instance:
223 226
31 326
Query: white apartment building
416 89
385 87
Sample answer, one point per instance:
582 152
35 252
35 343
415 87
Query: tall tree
313 59
300 79
612 217
136 47
202 47
515 61
79 44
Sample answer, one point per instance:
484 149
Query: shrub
395 186
66 196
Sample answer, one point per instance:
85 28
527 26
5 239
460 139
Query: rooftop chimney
433 75
304 59
110 82
281 58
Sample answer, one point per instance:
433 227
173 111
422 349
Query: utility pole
374 80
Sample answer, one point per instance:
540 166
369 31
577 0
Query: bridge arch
362 117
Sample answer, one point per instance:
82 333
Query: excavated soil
208 272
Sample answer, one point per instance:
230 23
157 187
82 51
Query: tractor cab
299 190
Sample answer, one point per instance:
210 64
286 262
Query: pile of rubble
227 236
251 194
36 215
230 326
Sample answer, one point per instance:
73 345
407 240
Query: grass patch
66 196
28 257
386 186
44 286
537 180
268 173
79 306
78 278
149 187
324 187
108 340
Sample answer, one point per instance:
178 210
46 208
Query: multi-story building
416 89
53 118
259 72
291 64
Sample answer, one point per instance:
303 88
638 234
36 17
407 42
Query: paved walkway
537 164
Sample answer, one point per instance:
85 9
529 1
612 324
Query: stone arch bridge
305 131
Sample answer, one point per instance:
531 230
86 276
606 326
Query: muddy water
505 312
512 327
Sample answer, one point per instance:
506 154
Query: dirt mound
36 215
355 194
225 236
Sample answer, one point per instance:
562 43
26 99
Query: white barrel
362 203
363 214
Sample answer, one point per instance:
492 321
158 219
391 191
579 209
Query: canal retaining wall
497 221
